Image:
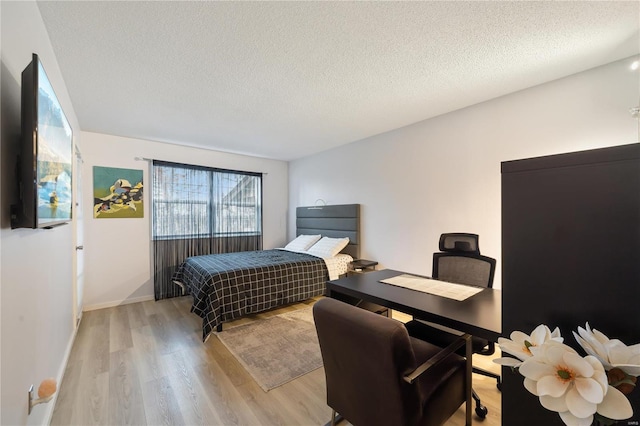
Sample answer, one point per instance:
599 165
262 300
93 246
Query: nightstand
363 265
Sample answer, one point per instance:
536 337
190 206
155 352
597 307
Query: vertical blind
199 210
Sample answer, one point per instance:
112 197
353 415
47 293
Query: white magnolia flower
611 352
520 344
571 385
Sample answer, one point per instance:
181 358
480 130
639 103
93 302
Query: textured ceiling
288 79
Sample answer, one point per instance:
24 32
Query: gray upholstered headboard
332 221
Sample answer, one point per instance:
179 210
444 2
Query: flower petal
502 340
595 345
554 404
571 420
555 353
585 345
578 364
618 352
589 389
514 349
540 335
615 405
533 369
632 370
508 361
579 406
635 349
602 379
595 363
552 386
531 386
519 336
600 336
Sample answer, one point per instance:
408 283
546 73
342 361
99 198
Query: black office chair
460 261
378 375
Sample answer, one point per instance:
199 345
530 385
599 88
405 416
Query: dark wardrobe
570 254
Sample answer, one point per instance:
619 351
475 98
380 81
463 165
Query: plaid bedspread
228 286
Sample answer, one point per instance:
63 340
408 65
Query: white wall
36 279
118 251
443 174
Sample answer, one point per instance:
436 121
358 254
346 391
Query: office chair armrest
452 348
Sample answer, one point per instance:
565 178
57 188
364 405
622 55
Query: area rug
276 350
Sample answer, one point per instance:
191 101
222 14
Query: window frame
209 203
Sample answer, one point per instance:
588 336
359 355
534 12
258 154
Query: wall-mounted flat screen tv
46 155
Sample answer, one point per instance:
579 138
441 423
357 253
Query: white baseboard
63 367
116 303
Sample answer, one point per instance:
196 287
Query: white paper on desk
446 289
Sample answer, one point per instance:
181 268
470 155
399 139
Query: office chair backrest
365 357
459 242
460 261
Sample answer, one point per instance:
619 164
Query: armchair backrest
365 357
460 261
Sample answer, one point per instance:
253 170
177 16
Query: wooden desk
479 315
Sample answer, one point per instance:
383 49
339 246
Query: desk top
479 315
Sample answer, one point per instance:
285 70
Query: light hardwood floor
145 364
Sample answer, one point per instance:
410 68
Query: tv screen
46 155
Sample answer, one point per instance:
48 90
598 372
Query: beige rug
276 350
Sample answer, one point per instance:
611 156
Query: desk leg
468 374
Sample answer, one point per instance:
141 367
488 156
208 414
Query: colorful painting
117 193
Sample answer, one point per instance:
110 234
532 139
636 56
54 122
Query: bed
231 285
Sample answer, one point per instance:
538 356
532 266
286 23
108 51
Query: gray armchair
377 374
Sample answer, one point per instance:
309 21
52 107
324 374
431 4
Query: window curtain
198 211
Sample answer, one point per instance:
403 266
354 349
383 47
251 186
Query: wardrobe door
570 254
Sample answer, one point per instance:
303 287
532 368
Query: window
198 202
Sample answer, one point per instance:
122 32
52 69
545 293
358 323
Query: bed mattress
231 285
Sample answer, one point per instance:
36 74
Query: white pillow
328 247
302 242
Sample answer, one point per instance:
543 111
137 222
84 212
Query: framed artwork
117 193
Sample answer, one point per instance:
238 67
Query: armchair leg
335 419
468 391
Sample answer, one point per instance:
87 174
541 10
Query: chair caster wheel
482 411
